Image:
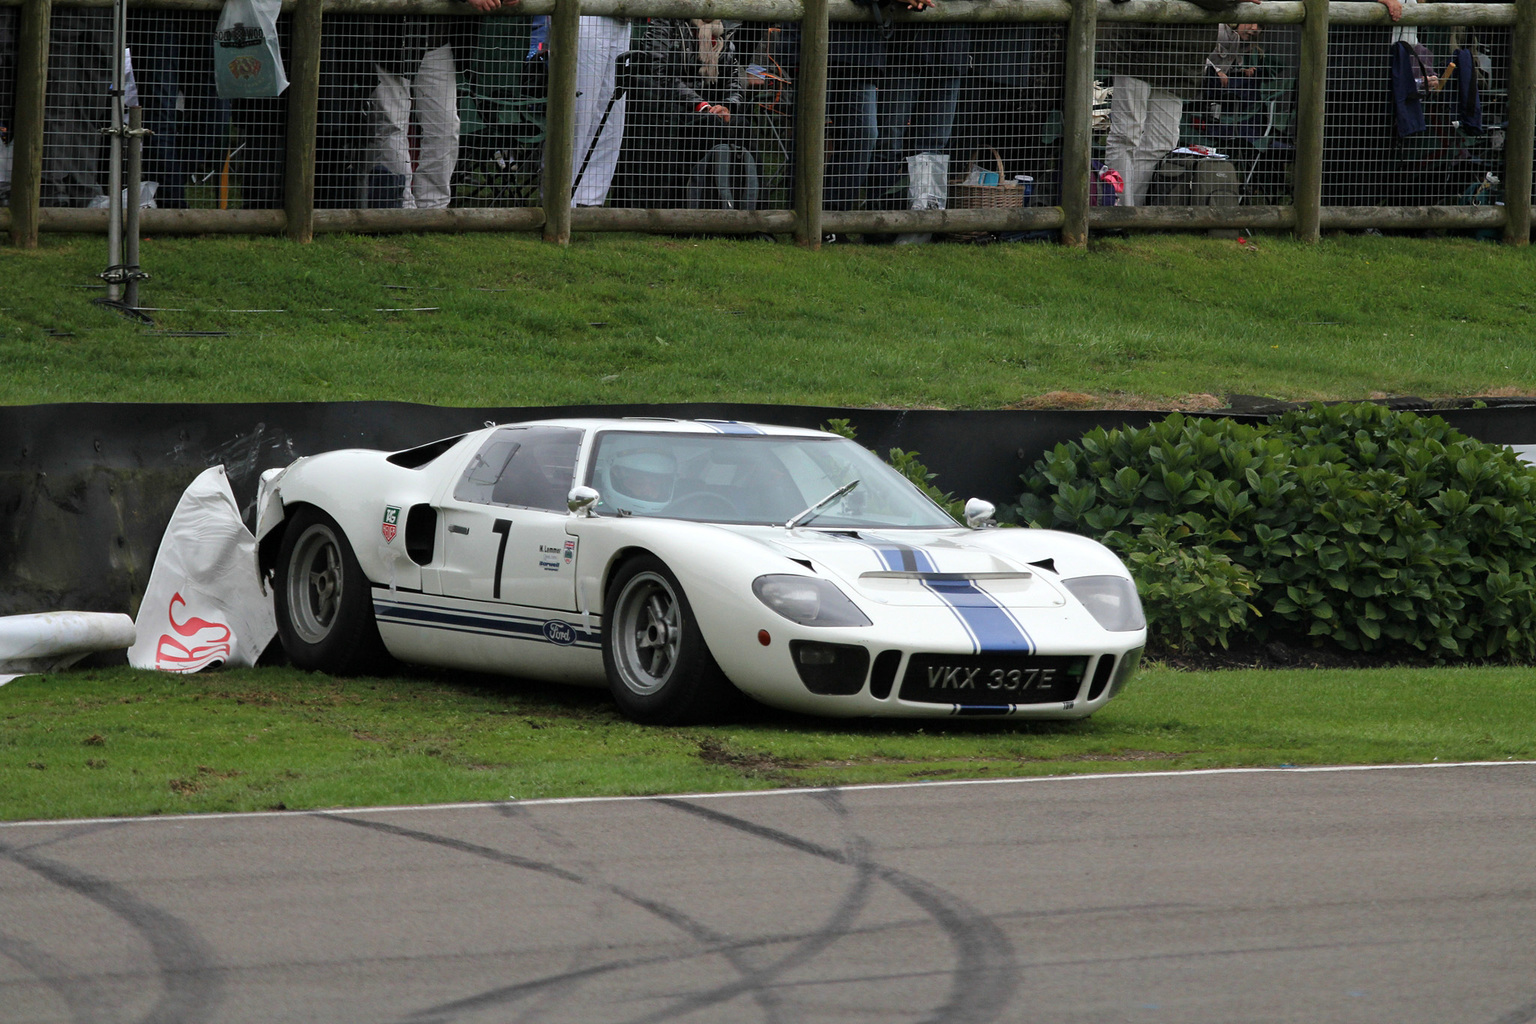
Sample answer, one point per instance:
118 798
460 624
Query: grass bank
120 742
498 320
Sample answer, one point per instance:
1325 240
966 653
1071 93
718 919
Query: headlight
1111 600
808 601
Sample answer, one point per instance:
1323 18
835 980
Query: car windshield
753 478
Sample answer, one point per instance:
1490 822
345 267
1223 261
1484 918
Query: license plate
992 679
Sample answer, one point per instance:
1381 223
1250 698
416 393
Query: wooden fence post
1520 137
1311 82
811 123
27 148
1077 121
303 121
560 120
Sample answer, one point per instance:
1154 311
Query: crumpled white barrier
204 604
51 641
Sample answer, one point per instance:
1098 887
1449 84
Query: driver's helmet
644 479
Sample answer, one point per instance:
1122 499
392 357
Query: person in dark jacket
916 103
1156 68
697 83
856 61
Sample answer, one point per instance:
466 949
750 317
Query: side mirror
581 499
979 513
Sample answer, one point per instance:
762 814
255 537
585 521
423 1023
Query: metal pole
131 273
113 274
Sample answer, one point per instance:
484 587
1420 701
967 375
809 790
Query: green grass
514 321
119 742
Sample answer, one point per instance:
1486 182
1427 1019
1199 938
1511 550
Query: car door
503 523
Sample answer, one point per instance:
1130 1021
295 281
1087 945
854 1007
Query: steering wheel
703 504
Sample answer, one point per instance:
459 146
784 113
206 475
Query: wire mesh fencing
1377 152
429 111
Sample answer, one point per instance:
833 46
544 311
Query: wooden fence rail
1074 218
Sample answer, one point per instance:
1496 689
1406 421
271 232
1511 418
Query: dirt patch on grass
1120 400
759 766
200 781
1204 402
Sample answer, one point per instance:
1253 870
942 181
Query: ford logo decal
559 633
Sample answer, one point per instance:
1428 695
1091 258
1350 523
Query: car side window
531 467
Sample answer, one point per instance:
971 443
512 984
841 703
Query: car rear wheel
324 604
659 669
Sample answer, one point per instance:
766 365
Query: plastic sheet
50 641
204 605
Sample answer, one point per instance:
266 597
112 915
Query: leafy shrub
1192 594
1374 529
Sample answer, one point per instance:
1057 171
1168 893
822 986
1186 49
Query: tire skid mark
541 1002
68 834
985 973
519 990
714 942
193 986
1520 1015
81 995
756 981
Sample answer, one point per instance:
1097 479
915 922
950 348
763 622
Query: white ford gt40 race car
674 560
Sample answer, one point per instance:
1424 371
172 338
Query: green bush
1372 529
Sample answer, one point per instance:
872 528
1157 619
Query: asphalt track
1386 895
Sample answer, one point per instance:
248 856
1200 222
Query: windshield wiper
815 510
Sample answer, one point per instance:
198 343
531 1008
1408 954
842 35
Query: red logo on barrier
171 655
245 67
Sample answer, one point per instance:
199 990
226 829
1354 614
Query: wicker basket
987 197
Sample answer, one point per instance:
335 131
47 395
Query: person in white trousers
432 89
599 43
1156 67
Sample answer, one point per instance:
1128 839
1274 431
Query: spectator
600 41
182 110
8 19
699 80
1232 71
79 106
1156 68
1013 88
916 102
1357 114
855 60
420 70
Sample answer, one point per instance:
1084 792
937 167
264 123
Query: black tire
323 601
659 669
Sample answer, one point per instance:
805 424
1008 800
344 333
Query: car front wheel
659 669
324 604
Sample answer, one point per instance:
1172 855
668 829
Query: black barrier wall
86 490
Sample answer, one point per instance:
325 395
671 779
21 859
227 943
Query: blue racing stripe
731 427
992 627
470 622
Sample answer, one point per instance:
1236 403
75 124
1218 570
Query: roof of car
664 424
